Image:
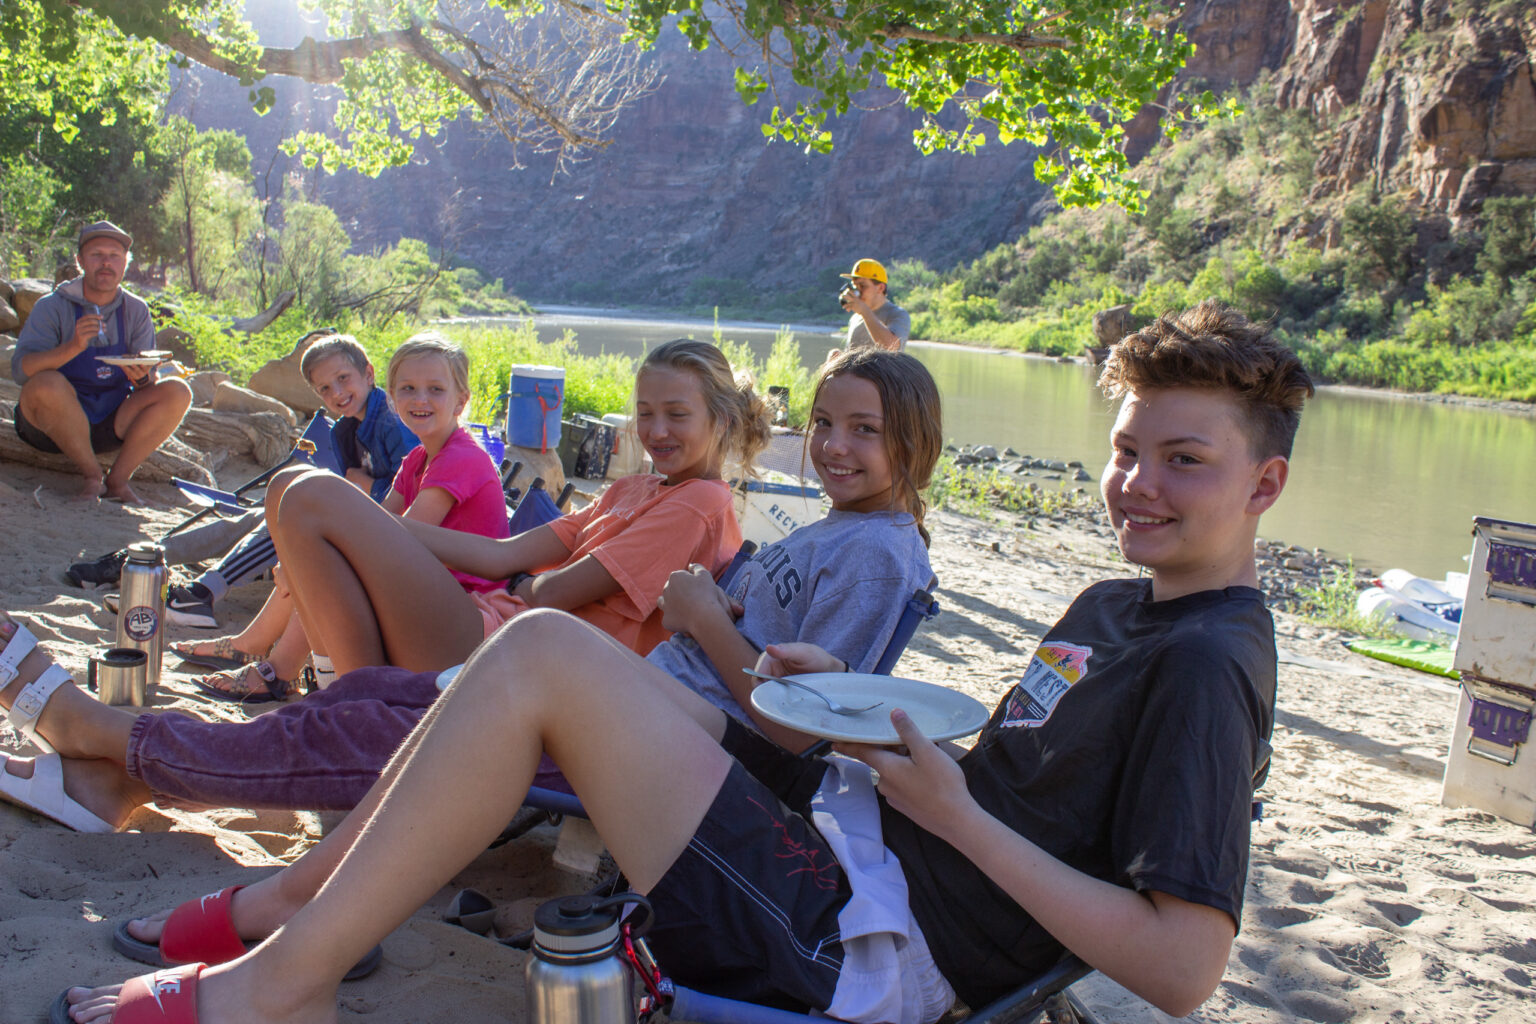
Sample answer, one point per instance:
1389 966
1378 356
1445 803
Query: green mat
1419 654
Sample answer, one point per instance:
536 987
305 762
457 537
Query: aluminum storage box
1492 765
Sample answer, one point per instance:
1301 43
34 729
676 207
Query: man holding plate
86 366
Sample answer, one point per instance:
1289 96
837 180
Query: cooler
769 511
534 400
1492 765
629 455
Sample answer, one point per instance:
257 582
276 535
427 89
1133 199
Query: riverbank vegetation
1368 289
210 236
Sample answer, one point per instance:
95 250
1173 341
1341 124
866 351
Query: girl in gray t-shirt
840 583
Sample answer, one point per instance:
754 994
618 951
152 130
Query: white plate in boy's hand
938 712
150 357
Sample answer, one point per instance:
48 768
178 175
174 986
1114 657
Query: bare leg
647 771
51 405
91 736
269 625
144 421
261 908
368 592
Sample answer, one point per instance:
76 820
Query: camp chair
557 799
1045 995
313 447
536 507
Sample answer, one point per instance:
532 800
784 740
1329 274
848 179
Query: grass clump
982 491
1332 602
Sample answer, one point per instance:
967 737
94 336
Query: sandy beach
1366 901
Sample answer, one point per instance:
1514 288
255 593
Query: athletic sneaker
103 572
190 605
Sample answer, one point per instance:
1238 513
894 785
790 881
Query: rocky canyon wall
1432 98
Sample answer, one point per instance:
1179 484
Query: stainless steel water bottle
141 606
576 975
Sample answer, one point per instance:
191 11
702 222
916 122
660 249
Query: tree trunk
172 458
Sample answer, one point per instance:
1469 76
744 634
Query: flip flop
44 794
275 689
165 997
217 662
202 930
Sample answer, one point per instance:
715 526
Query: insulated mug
120 676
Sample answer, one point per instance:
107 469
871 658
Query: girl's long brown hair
913 416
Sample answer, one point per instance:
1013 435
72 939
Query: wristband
517 578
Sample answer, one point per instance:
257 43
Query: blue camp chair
313 447
534 509
1046 994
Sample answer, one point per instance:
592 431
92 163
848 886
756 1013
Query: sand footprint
1373 955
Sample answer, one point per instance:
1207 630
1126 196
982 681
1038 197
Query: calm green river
1390 481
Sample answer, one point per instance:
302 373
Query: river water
1388 480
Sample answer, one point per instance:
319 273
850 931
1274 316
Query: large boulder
536 463
282 380
9 321
178 343
229 397
1112 324
6 291
203 384
26 292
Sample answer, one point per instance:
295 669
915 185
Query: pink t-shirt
641 531
465 471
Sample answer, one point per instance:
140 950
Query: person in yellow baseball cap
873 319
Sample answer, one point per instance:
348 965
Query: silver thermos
141 606
576 975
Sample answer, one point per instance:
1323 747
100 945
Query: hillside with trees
1376 199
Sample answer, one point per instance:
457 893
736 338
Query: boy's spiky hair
334 345
1214 346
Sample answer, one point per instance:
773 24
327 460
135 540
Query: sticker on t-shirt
1052 671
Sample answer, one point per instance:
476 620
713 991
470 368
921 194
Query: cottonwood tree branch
1022 41
556 82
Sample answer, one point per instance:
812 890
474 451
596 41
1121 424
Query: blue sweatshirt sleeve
387 440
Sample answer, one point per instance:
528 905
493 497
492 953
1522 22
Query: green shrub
1509 238
1332 602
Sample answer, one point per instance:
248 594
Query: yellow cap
869 269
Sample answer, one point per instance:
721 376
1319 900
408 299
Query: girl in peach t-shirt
377 590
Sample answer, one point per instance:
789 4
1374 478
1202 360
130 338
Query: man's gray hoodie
52 321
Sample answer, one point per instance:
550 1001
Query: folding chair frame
316 433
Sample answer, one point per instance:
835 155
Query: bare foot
100 786
91 489
120 493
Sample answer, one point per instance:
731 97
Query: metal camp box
1492 764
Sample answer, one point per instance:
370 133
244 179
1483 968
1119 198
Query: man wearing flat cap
874 320
80 391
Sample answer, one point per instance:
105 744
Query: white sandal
29 704
44 794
